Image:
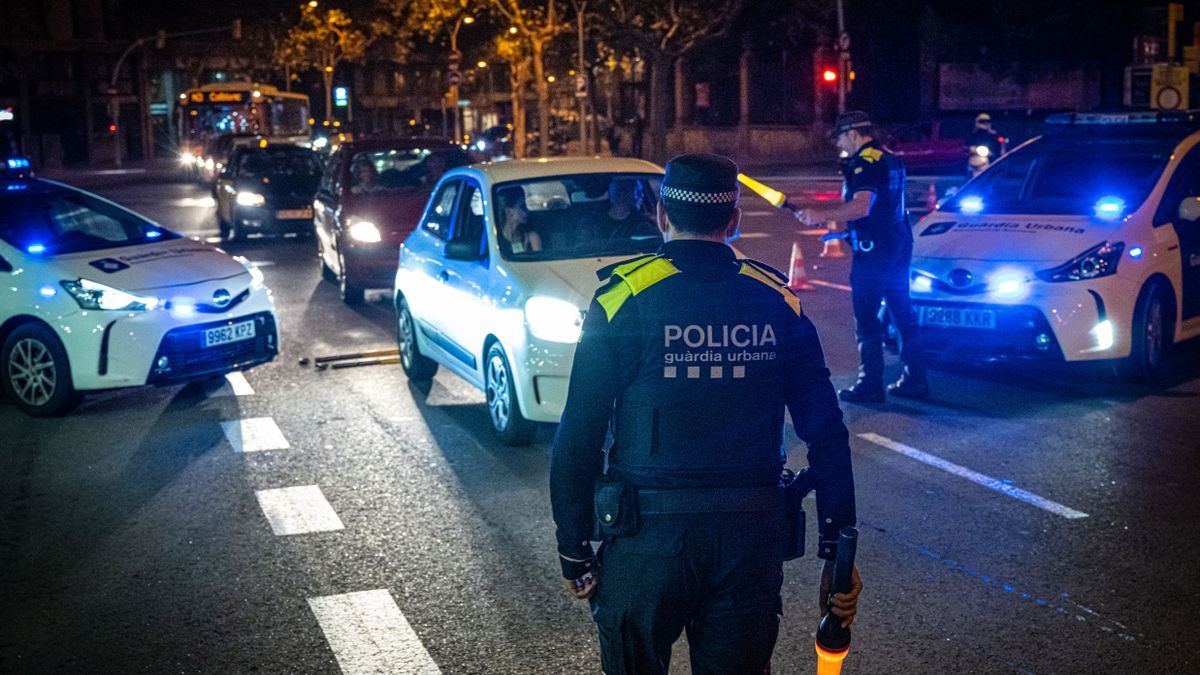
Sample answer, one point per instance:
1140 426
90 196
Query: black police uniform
693 355
880 270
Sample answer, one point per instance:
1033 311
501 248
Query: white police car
1082 244
494 281
94 296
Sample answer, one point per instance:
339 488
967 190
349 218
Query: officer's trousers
717 576
883 274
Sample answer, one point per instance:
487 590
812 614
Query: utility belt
857 243
618 506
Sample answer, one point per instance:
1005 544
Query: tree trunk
543 96
327 77
660 93
519 78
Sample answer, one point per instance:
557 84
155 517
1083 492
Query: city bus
211 111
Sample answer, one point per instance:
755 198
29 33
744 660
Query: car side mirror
461 249
1189 209
5 266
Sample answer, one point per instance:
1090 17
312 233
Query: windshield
1068 176
284 162
584 216
66 221
394 170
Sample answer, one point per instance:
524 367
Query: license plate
957 317
294 214
226 334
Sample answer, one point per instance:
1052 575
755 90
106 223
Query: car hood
147 267
1051 239
281 186
572 280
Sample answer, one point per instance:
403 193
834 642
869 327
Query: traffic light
829 75
237 29
112 128
341 97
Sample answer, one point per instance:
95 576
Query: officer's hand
583 587
845 605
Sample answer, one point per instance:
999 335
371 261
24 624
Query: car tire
35 372
510 425
1152 333
417 366
351 294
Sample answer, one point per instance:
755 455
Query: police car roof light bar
1124 118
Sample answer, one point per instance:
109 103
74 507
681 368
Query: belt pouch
615 509
793 509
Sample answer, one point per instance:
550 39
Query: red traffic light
829 75
112 128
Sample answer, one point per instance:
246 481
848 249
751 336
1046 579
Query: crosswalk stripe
830 284
369 634
298 510
974 476
254 434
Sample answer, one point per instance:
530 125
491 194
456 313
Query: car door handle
444 276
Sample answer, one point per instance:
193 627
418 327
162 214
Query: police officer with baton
692 355
878 229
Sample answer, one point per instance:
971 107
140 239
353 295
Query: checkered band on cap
694 197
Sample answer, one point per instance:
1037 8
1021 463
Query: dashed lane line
239 385
254 435
975 477
830 284
369 634
298 510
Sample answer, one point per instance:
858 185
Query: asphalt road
136 535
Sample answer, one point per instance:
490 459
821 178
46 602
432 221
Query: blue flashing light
18 163
16 186
922 284
183 308
47 292
1135 252
971 205
1109 208
153 234
35 248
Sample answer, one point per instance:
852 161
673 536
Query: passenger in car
514 222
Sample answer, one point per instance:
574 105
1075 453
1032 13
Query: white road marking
819 232
298 510
754 235
757 214
239 385
254 434
975 477
368 634
830 284
195 202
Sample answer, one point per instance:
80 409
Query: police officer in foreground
873 209
692 355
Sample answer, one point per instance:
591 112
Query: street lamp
455 55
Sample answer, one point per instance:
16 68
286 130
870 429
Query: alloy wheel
499 393
32 372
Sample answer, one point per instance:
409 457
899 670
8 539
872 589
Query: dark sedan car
268 189
370 199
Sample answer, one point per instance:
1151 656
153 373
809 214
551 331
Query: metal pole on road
843 57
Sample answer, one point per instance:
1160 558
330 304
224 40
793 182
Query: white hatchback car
97 297
494 282
1082 244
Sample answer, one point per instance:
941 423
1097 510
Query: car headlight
1008 285
256 276
250 199
553 320
1099 261
365 231
94 295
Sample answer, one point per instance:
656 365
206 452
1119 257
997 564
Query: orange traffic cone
931 197
834 248
797 276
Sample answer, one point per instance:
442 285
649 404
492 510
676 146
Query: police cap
851 119
700 191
